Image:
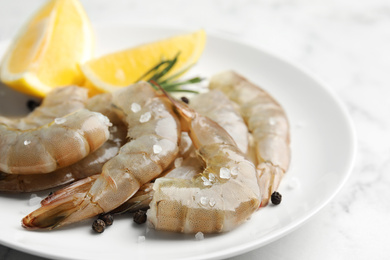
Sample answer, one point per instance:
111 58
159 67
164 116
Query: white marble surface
346 44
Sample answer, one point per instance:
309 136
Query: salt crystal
212 202
199 236
145 117
204 201
34 200
234 171
141 239
157 149
59 120
206 181
178 161
224 173
27 142
135 107
211 177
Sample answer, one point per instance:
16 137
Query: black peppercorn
98 225
32 104
139 217
107 218
185 100
276 198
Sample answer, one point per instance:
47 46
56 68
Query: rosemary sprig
170 84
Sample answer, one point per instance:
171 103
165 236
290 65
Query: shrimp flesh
184 169
90 165
220 198
153 131
58 103
216 106
58 144
188 165
267 123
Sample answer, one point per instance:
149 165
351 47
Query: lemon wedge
122 68
49 48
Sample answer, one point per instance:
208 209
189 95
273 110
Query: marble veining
346 44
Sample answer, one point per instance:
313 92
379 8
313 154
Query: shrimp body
54 145
216 106
90 165
218 199
58 103
153 131
268 124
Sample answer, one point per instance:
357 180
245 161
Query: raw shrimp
153 131
58 103
58 144
268 125
216 106
187 166
90 165
220 198
184 169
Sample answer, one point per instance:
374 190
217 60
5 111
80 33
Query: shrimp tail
58 206
269 177
140 200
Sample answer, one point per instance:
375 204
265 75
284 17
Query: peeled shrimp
216 106
184 169
35 144
187 166
220 198
153 131
49 147
268 125
90 165
58 103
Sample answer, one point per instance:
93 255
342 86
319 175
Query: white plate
323 149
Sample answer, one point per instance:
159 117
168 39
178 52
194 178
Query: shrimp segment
222 197
58 103
216 106
153 131
51 146
90 165
268 125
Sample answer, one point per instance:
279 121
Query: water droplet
224 173
135 107
145 117
59 120
157 149
27 142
